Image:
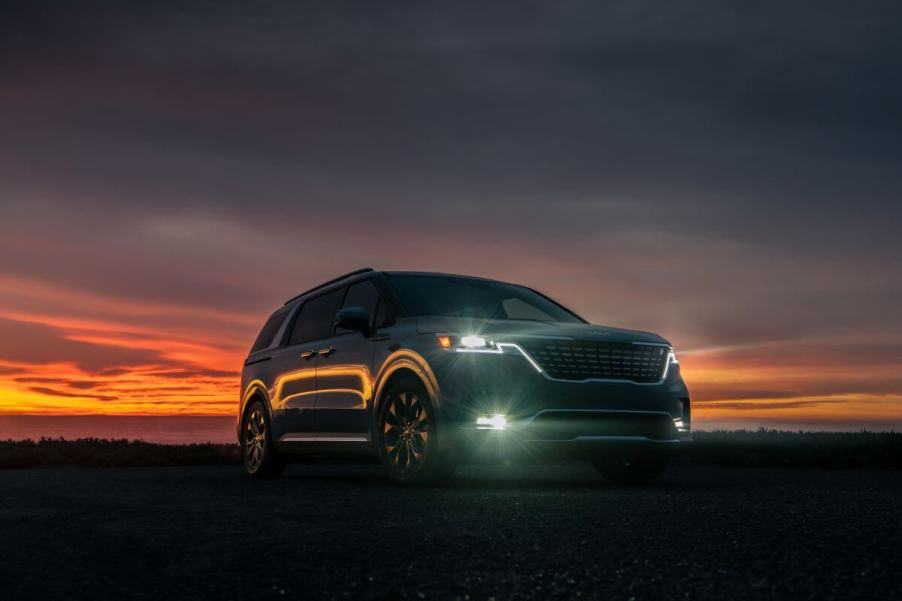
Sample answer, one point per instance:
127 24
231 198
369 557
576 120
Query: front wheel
261 459
407 436
632 469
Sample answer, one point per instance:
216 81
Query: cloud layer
725 175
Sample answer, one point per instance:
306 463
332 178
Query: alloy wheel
406 432
254 440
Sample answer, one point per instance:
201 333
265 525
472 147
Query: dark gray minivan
429 371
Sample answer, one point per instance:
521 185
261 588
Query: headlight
477 344
671 360
463 344
473 342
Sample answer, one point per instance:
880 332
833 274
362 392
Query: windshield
466 297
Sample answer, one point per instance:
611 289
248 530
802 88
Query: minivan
428 371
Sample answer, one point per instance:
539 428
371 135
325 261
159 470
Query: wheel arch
255 391
400 364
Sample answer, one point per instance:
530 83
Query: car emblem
598 333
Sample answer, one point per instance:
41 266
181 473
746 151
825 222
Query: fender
253 388
405 359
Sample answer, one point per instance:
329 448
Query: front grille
583 360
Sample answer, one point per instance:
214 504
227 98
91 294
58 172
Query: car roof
340 278
360 273
439 274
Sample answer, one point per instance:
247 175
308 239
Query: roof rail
332 281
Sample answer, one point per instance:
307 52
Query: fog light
491 422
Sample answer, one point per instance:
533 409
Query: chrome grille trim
579 361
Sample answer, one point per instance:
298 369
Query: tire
407 436
261 460
632 469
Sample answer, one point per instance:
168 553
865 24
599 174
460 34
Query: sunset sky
728 176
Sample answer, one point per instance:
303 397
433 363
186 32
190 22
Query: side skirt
326 445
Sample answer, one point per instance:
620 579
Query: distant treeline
753 448
102 452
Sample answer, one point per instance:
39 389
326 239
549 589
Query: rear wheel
632 469
407 436
261 459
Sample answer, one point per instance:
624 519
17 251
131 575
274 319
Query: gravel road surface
324 532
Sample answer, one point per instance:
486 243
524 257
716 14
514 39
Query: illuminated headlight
671 360
477 344
473 342
491 422
470 343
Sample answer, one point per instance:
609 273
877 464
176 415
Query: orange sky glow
158 201
188 360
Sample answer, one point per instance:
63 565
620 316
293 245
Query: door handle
325 352
307 355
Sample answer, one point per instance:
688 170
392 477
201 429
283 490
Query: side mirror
354 318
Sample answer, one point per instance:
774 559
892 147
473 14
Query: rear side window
270 328
362 294
315 320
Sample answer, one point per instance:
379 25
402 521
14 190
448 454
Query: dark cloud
68 394
721 172
35 343
194 373
76 384
766 405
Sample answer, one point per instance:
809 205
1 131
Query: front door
344 380
293 393
295 389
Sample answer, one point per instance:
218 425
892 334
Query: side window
362 294
264 340
314 322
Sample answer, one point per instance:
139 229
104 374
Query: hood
513 329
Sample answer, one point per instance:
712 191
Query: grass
758 448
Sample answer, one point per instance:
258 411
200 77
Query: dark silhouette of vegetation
752 448
101 452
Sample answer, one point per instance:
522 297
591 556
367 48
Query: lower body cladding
502 407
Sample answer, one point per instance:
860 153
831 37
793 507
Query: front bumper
544 414
583 434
